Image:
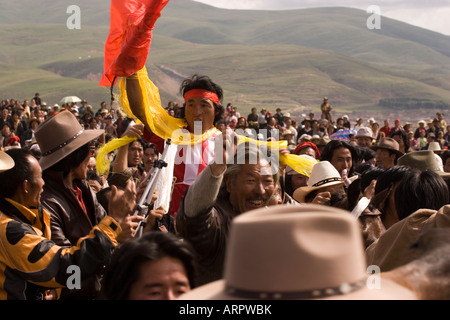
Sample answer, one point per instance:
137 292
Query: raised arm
134 95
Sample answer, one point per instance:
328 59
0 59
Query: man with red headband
202 109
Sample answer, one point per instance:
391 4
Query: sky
431 14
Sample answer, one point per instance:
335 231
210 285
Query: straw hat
317 253
60 135
323 174
389 144
6 162
422 160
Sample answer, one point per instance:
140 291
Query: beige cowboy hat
6 162
60 135
435 147
323 174
422 160
421 122
317 253
388 144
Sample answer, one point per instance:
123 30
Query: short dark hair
15 176
150 145
123 269
72 160
420 190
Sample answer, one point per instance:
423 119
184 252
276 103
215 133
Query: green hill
288 58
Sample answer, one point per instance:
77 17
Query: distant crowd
391 178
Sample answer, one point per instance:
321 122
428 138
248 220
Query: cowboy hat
390 250
422 160
287 132
6 162
60 135
317 253
323 174
435 147
389 144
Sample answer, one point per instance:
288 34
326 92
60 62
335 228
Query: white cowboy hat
316 252
6 162
323 174
435 147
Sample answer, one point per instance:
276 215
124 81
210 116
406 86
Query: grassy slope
288 58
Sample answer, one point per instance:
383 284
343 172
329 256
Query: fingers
135 130
322 198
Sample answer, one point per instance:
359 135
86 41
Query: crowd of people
390 183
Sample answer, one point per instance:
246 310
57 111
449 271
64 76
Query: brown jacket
69 221
208 234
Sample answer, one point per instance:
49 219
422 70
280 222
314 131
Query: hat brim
300 194
397 152
88 135
443 174
6 162
388 290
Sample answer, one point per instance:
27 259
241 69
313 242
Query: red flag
130 35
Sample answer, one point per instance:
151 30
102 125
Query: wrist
217 170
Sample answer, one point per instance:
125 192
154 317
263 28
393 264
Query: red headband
195 93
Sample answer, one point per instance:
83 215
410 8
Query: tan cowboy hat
60 135
317 253
6 162
388 144
323 174
391 249
422 160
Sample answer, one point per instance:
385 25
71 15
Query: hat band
310 294
322 182
62 145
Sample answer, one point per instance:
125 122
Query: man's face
35 187
384 159
342 159
200 109
364 141
135 153
92 163
149 158
252 187
162 279
299 180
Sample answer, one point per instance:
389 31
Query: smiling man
220 193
